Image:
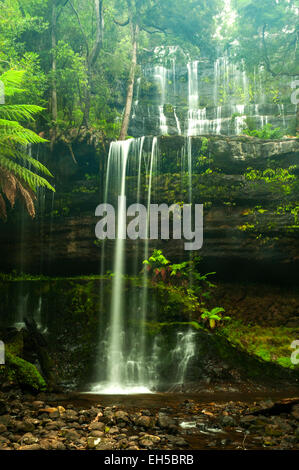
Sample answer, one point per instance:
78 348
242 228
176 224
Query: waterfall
128 359
125 347
208 98
152 168
161 79
116 177
177 122
240 119
192 97
184 351
136 102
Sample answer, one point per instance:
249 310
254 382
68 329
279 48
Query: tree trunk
297 119
130 91
54 66
92 57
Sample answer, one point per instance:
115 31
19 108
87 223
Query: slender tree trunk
93 55
130 91
87 100
54 66
297 119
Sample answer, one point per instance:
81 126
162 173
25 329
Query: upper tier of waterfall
176 95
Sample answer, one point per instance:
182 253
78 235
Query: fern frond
27 159
13 77
15 176
19 112
13 131
13 80
32 179
8 186
27 198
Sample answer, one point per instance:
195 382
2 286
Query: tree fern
18 169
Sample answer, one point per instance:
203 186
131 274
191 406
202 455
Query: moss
155 328
15 346
24 373
271 344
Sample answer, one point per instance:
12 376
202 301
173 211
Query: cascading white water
152 168
125 351
184 351
161 79
22 310
115 356
240 119
177 122
212 93
192 97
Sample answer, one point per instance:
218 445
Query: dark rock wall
240 241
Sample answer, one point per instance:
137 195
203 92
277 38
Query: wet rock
30 447
248 420
4 441
3 407
113 430
121 416
147 443
180 442
92 442
273 430
295 412
106 444
6 420
51 444
24 426
225 442
228 421
3 428
108 415
70 415
96 433
37 404
70 435
122 444
166 422
28 439
97 426
144 422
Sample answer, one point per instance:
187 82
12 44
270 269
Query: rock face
75 319
174 96
245 235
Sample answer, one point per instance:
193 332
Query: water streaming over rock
182 354
128 359
179 96
125 346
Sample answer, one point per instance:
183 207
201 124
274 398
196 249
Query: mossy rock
24 373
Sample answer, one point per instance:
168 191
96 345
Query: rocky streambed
212 420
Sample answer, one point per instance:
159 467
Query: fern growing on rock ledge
18 169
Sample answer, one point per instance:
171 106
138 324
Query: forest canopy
81 57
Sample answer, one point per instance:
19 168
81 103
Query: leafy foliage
267 132
16 177
182 279
214 317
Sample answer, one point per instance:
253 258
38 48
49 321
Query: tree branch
157 31
125 23
99 32
61 9
81 27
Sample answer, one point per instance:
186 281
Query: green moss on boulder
24 373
